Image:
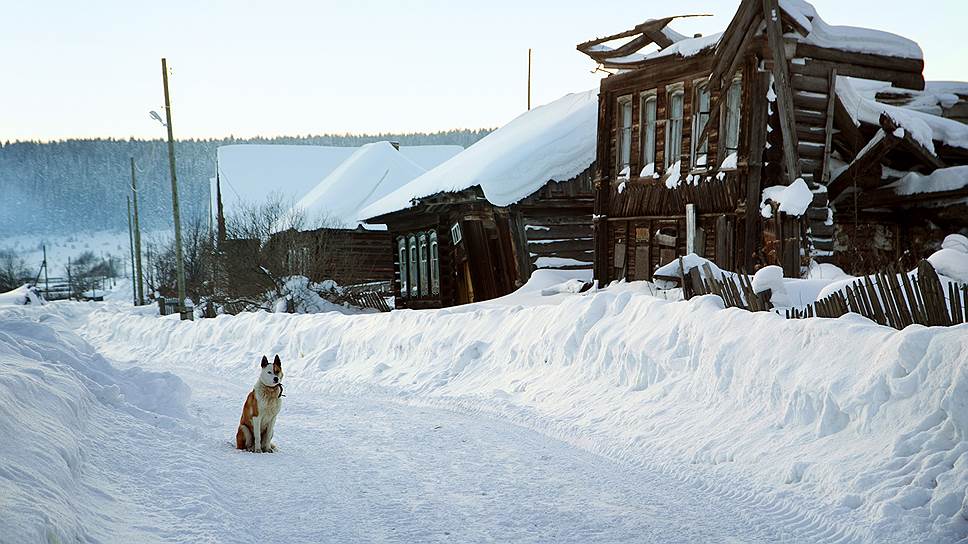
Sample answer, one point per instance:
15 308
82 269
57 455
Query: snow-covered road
366 469
350 468
545 418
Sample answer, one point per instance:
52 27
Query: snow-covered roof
250 173
554 142
369 174
924 127
943 179
848 38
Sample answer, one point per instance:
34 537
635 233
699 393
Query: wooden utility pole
134 291
529 79
139 287
179 262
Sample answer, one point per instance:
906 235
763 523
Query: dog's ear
277 361
265 361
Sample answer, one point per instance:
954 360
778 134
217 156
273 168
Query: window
624 143
413 266
455 233
700 118
434 265
648 135
424 273
402 253
732 120
673 140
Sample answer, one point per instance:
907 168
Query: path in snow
357 469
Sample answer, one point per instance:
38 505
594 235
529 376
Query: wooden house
697 137
330 243
520 199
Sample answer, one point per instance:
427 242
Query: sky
92 69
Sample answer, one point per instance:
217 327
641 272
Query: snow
559 262
729 163
952 259
249 173
943 179
771 277
307 299
846 38
606 416
674 175
369 174
647 170
793 199
924 127
21 296
553 142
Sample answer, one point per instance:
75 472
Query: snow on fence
893 299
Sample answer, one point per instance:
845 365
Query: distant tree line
71 185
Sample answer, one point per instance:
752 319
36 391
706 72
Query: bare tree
13 270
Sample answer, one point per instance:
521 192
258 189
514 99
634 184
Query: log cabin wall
641 221
552 228
348 256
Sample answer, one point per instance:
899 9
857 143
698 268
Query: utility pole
140 290
529 79
134 292
179 263
46 281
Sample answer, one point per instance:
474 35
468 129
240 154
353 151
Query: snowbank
554 142
21 296
57 466
846 425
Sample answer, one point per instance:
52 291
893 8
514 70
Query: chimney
396 145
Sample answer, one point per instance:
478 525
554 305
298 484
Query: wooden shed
695 132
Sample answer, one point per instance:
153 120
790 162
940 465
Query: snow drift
855 430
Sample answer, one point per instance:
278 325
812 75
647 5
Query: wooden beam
784 93
888 198
915 147
757 142
869 158
829 129
896 64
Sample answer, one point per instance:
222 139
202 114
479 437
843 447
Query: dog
260 410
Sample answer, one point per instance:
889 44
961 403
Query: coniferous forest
70 185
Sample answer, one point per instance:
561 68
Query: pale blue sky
92 68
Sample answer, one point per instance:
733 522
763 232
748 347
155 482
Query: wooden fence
893 299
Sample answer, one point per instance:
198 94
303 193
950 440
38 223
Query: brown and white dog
260 410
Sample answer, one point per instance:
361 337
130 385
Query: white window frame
648 126
623 135
424 260
700 119
404 269
732 118
673 133
412 261
434 264
455 234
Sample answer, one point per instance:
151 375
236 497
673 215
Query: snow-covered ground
546 416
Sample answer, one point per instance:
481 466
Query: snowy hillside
783 430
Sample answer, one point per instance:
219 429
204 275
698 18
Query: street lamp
179 262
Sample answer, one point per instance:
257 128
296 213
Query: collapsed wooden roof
627 54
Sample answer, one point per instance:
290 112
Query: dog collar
279 385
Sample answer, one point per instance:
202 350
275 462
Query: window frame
737 83
423 258
434 264
402 253
412 259
647 128
671 122
623 134
700 119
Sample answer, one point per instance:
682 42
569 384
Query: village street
354 468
